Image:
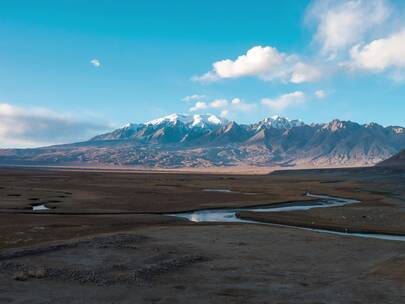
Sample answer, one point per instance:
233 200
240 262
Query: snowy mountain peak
172 118
279 122
338 124
130 126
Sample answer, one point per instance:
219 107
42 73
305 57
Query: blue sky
67 66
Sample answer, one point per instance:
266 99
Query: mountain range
180 140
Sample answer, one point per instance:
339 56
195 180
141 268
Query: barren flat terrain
107 238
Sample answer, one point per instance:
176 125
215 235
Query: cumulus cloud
303 72
380 54
284 101
224 106
240 105
207 77
352 34
219 103
354 30
321 94
264 62
258 60
341 24
235 106
32 127
95 62
194 97
199 105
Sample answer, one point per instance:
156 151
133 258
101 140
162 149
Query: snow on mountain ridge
196 120
279 122
173 118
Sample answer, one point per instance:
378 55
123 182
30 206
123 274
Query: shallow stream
322 201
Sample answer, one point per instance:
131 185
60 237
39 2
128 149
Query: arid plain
107 238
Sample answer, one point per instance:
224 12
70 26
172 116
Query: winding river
322 201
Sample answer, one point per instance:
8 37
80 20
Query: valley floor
106 238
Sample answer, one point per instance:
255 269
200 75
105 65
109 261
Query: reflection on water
220 190
389 237
323 201
228 191
40 207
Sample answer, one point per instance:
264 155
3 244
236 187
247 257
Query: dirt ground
106 238
207 264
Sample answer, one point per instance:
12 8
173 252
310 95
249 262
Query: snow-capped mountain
197 123
168 129
181 140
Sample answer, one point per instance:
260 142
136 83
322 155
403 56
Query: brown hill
398 160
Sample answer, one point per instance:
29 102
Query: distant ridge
182 140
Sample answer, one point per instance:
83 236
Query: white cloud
380 54
321 94
224 105
341 24
199 105
284 101
240 105
219 103
95 62
258 61
207 77
236 106
31 127
266 63
194 97
236 101
303 72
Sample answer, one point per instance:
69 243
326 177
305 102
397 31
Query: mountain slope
181 140
398 160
